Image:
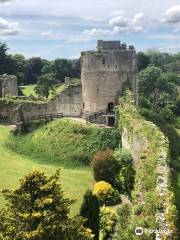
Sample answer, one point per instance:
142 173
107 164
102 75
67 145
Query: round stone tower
104 73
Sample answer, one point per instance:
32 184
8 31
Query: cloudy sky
63 28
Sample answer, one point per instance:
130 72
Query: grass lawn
13 166
29 90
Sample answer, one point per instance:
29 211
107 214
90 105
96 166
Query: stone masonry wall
68 102
150 150
103 75
8 85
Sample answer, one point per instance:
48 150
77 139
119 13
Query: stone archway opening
110 107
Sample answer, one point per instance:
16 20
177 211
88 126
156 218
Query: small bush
106 194
105 166
125 180
108 218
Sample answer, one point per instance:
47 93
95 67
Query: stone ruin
8 85
103 74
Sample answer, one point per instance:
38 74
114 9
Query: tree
143 60
148 78
62 68
37 209
48 67
90 210
6 62
34 68
159 59
46 83
105 166
20 67
158 91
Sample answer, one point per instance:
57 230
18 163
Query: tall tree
20 67
34 69
6 62
37 209
46 83
143 60
62 68
90 210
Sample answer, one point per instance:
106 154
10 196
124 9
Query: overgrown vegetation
13 101
145 189
66 142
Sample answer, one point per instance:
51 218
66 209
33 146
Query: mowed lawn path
13 166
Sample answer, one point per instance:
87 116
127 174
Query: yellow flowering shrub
106 193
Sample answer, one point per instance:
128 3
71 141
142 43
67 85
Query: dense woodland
48 210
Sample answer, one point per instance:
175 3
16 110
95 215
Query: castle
104 74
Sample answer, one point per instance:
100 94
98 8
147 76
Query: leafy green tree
37 209
45 83
34 70
6 62
62 68
48 67
20 67
147 80
90 210
158 91
143 60
76 68
159 59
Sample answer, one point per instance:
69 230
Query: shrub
90 211
108 218
106 194
38 209
105 166
125 180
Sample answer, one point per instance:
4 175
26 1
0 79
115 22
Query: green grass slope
65 142
62 143
14 165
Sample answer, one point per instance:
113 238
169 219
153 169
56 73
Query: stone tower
8 85
105 72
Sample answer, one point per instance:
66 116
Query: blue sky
64 28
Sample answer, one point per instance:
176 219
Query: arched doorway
110 107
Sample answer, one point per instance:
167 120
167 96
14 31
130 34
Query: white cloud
118 25
47 34
172 15
97 32
8 28
127 24
78 40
